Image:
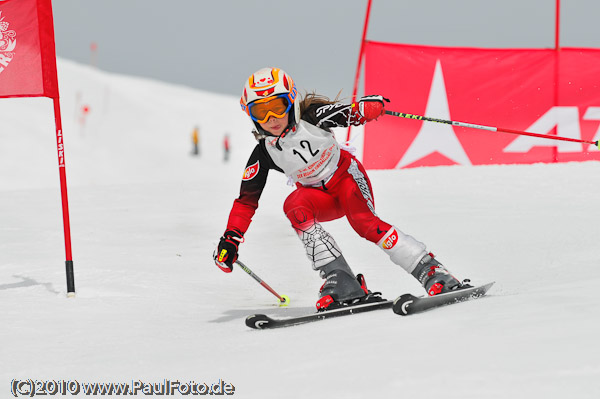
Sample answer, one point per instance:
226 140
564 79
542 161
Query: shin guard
403 250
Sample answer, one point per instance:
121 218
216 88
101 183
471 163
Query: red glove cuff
223 267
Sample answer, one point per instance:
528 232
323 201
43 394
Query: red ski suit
347 193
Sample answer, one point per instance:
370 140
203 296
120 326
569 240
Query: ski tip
258 321
487 286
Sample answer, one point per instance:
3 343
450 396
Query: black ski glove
227 251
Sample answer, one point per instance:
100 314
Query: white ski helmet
262 88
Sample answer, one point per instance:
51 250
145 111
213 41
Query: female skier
294 138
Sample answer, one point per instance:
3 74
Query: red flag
27 49
28 69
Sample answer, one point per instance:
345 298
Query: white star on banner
436 137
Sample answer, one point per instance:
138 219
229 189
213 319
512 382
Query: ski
262 322
409 304
404 305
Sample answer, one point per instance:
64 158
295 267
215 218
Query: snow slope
151 305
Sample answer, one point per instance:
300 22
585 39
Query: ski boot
435 278
342 289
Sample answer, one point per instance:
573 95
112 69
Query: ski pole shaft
260 281
489 128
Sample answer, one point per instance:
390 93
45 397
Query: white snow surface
146 216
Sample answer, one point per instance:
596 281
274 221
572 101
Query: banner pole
360 57
556 66
65 201
557 26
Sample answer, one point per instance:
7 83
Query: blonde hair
313 98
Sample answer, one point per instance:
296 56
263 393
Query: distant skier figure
226 148
196 141
294 137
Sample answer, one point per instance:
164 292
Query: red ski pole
489 128
284 300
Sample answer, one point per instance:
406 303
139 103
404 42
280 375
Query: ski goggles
261 110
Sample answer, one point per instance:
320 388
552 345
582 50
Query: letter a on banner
28 69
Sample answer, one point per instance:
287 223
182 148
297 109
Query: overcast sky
216 45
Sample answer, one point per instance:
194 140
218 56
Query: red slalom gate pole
65 201
489 128
360 57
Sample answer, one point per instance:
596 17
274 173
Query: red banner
27 49
539 91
